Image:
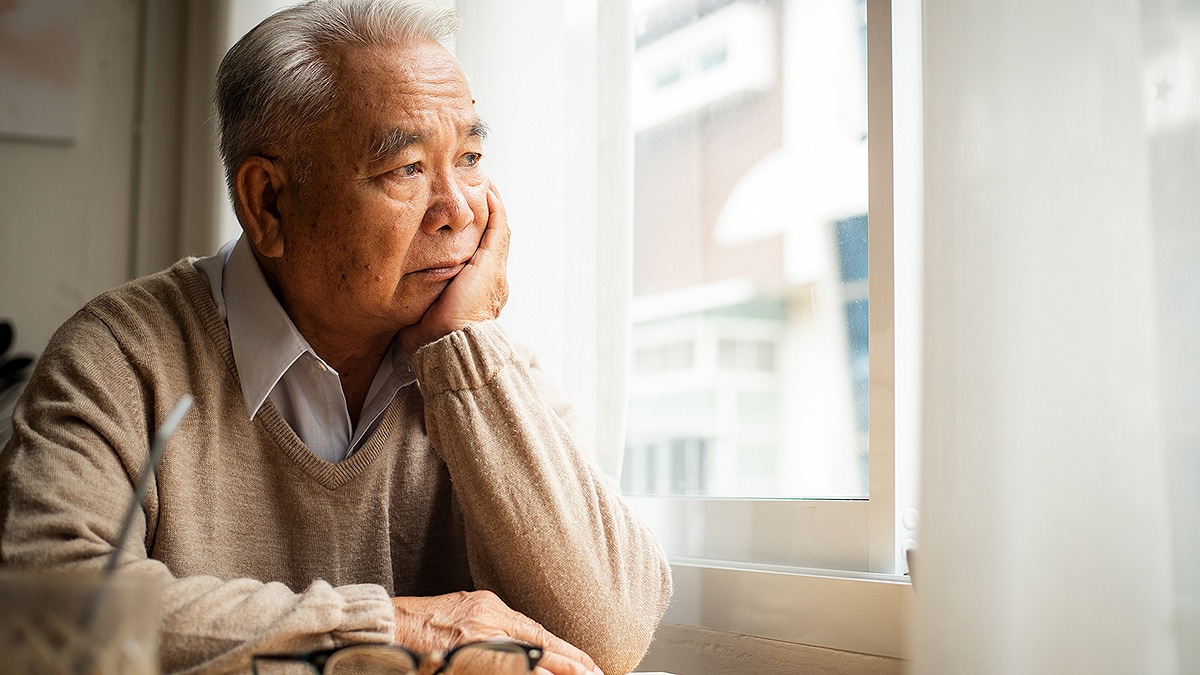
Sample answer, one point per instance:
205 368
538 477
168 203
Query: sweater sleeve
81 436
545 531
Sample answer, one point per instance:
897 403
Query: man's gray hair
277 81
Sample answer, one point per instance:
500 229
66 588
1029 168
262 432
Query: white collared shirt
275 362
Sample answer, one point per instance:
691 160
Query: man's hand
426 624
477 293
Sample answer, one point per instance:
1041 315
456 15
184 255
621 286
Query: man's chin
416 303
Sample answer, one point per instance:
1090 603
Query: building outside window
749 313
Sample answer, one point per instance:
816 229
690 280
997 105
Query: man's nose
448 205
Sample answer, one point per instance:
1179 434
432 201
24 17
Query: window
750 177
755 234
752 261
637 277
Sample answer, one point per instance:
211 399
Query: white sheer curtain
555 103
1062 357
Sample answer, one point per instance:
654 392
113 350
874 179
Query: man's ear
258 183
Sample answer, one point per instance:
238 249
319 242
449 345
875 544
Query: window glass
750 317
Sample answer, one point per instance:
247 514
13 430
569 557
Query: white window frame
835 534
825 573
821 572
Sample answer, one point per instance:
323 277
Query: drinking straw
135 504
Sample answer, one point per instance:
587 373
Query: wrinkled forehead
416 88
370 76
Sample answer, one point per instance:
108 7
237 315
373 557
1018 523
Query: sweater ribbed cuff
367 615
465 359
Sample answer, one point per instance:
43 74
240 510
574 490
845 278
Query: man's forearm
210 625
544 530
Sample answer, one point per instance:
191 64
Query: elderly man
369 459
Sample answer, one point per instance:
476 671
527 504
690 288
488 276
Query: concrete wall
138 186
66 221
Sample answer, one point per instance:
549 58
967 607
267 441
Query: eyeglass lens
477 659
488 659
369 661
473 659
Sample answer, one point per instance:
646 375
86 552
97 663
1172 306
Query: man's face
395 202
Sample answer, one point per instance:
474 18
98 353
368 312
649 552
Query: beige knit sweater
473 482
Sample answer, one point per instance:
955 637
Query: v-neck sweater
473 479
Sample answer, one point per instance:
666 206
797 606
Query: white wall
65 208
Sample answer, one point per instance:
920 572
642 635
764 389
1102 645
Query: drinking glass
76 624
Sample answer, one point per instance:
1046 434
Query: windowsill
856 612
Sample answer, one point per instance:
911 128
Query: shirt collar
265 341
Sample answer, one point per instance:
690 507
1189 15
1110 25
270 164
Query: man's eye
472 158
407 170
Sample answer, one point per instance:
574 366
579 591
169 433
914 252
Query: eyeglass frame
318 659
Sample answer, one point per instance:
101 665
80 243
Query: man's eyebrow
392 142
395 140
479 130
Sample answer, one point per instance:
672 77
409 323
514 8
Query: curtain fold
1062 327
1171 35
552 81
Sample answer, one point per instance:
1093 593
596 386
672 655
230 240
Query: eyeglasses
476 658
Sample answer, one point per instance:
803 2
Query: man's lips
442 270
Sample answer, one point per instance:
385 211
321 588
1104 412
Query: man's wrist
367 614
466 359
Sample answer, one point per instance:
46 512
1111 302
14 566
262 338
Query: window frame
857 534
834 579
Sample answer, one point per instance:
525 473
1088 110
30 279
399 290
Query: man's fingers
444 621
494 191
553 663
496 235
559 657
558 647
477 293
559 653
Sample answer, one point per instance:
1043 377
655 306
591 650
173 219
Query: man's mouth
442 271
